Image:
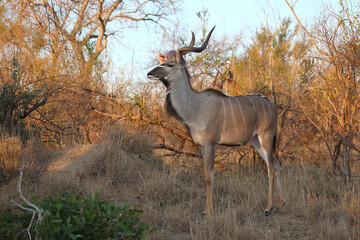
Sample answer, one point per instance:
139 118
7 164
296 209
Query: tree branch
177 151
302 26
80 18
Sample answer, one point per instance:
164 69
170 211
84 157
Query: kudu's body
213 117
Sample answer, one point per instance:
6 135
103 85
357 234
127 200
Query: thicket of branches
52 77
52 65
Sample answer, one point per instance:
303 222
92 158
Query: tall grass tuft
118 155
10 151
14 153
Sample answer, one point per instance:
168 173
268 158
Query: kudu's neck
184 99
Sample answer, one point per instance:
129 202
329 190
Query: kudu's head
174 61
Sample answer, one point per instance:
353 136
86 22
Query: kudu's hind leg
278 179
208 155
263 144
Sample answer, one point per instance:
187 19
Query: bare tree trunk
347 157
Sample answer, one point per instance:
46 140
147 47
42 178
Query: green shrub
67 216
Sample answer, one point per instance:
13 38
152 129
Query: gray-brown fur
214 118
170 111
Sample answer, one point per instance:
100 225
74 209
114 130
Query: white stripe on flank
222 99
267 103
252 103
242 113
232 112
263 108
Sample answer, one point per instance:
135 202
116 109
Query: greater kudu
213 118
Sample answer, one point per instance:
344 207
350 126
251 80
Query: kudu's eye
170 65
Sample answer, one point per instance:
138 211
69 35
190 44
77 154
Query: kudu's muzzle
151 76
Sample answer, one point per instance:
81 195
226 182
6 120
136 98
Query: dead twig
32 208
170 148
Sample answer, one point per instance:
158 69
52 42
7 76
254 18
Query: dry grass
117 157
10 149
318 204
14 154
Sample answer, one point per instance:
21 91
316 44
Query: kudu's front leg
208 155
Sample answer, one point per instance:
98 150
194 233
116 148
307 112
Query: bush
67 216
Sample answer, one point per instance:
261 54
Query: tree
24 86
61 43
272 65
85 26
332 101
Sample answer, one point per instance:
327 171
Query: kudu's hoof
267 212
207 213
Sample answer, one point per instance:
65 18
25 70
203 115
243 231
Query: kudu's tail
274 146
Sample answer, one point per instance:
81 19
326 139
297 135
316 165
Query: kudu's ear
179 58
161 58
